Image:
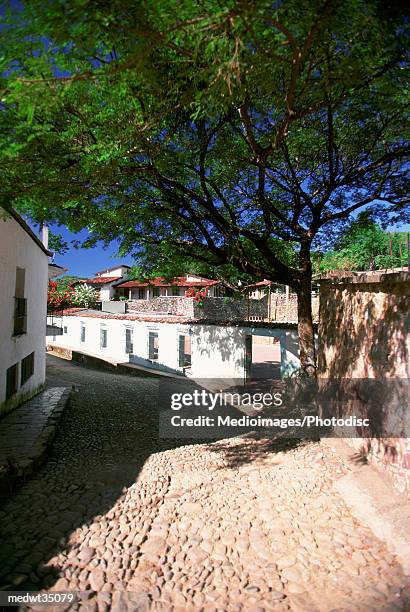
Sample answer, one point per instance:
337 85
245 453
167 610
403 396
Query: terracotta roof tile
101 280
128 317
179 281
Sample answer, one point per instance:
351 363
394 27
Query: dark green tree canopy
235 134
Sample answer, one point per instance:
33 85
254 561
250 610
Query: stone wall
230 309
364 335
364 329
175 305
226 309
283 309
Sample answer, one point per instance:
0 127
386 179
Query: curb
14 472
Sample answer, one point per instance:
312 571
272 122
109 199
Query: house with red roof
105 280
162 287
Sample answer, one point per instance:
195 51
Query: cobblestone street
135 523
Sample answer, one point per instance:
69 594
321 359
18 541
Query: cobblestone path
239 524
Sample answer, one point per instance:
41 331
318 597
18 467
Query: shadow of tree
107 434
364 357
246 451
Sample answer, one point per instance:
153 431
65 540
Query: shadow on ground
108 431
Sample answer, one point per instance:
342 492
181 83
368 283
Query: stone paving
26 433
135 524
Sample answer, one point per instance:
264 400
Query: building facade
161 287
173 344
23 308
105 281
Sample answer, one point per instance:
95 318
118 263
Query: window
155 292
219 292
20 316
65 329
153 345
174 291
103 337
27 368
11 381
184 351
20 303
141 293
82 332
129 346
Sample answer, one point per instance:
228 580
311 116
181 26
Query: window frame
27 368
103 334
153 333
83 335
12 375
129 344
182 362
20 316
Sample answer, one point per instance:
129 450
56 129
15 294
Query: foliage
58 297
364 246
66 282
235 134
199 295
57 244
84 295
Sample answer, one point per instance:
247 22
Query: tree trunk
307 351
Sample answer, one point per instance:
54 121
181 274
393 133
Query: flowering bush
58 297
199 295
84 295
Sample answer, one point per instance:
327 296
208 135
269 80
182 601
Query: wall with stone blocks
284 309
165 305
230 309
364 333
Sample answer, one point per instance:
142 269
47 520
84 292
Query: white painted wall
120 271
168 334
17 248
106 293
217 351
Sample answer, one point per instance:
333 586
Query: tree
58 296
364 245
240 135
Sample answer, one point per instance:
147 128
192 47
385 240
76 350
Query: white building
23 308
105 280
161 287
173 344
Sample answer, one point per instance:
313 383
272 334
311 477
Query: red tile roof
160 281
101 280
129 317
264 283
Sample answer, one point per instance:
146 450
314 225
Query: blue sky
85 262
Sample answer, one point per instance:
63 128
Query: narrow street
135 523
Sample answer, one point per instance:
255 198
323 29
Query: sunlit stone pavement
131 523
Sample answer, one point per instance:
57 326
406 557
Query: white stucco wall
168 334
120 271
217 351
106 293
18 249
